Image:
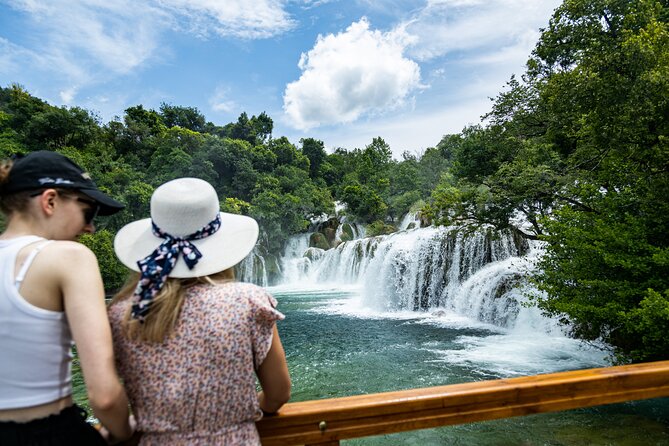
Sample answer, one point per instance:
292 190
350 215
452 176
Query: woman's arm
83 299
274 377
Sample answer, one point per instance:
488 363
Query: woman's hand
133 440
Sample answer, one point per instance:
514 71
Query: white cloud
21 63
353 73
67 96
309 4
455 3
90 41
236 18
517 52
111 36
219 101
445 26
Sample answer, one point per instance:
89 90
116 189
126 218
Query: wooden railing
325 422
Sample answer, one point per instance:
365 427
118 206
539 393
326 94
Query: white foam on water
514 354
498 352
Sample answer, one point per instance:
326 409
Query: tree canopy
578 150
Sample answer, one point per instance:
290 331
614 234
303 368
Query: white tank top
35 344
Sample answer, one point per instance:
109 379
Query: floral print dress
198 387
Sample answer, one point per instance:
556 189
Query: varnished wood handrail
329 420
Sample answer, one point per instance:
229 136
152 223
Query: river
338 347
437 306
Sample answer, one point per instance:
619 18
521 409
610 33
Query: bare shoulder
69 251
67 259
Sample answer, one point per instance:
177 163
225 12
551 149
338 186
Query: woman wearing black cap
51 294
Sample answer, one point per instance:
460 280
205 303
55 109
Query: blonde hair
165 307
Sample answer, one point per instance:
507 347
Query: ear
47 201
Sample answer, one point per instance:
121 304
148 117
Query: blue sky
340 71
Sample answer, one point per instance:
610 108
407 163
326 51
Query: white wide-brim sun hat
180 208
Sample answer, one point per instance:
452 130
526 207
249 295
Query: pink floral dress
198 387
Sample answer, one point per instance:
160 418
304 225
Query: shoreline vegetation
576 148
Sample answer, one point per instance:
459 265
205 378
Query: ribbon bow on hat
156 267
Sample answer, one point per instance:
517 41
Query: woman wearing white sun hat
189 340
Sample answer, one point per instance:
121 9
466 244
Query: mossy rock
379 228
330 234
521 243
347 230
318 240
425 220
345 237
330 223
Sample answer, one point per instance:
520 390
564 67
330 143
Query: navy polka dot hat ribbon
156 267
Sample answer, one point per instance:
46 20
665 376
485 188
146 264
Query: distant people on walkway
51 295
189 340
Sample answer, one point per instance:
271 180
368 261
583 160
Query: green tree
433 162
262 127
243 129
9 139
114 273
133 138
315 151
363 202
601 69
20 105
185 117
56 127
287 154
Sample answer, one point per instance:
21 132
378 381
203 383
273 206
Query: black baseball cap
45 169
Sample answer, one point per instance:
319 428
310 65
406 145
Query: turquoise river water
336 347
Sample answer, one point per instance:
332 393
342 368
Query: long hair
165 307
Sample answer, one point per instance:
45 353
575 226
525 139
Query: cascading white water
253 269
298 258
409 217
358 231
294 262
449 278
479 275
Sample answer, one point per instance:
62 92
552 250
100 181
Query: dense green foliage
579 150
574 152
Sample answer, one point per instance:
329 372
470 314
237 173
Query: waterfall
294 263
252 269
296 260
407 220
358 230
477 274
